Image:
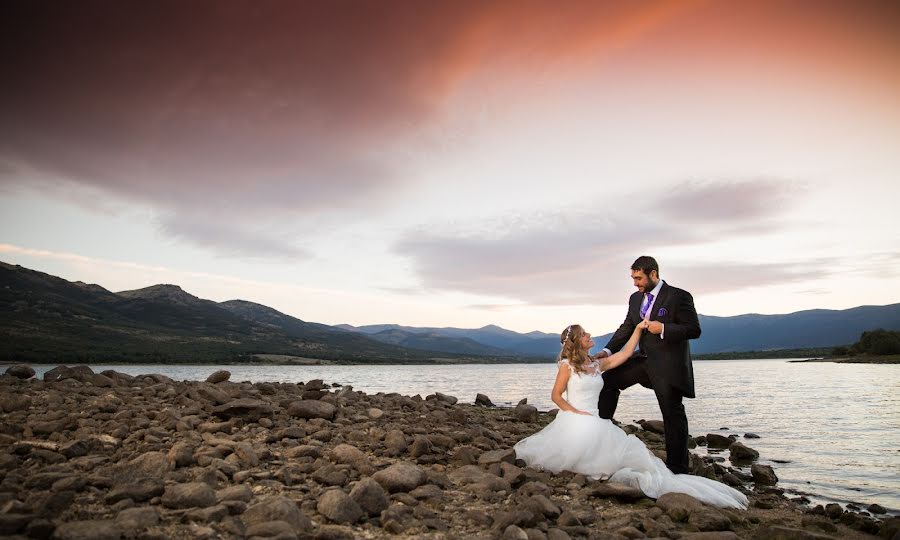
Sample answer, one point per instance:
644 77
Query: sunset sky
456 163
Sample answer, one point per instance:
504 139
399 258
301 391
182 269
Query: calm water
836 425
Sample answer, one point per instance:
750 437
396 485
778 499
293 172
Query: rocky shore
87 455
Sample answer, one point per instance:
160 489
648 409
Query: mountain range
44 318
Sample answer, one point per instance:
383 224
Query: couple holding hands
583 439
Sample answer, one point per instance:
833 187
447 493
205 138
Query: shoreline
151 457
889 359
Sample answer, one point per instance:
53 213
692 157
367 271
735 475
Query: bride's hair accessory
566 337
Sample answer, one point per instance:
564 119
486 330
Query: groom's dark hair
645 264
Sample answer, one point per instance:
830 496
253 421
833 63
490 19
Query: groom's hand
655 327
601 354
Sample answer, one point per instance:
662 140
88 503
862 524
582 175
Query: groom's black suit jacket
669 359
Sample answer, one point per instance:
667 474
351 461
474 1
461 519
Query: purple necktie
647 306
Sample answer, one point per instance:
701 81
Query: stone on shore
483 400
763 475
189 495
20 371
740 452
218 376
401 477
526 413
339 507
370 496
312 408
714 440
250 409
276 508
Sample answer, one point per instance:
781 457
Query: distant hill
46 318
803 329
530 344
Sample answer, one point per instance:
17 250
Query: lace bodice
583 389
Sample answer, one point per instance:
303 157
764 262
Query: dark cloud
587 260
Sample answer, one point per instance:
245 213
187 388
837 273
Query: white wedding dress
597 448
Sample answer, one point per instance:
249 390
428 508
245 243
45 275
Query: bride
578 440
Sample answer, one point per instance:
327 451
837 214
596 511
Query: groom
663 363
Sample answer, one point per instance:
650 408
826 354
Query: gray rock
401 477
741 452
240 492
483 400
526 413
370 496
20 371
763 475
709 519
718 535
14 402
271 529
615 490
507 455
95 529
339 507
513 532
248 409
654 426
189 495
147 465
450 400
219 376
714 440
304 450
375 413
395 442
132 520
353 456
59 373
678 506
276 508
876 509
143 490
312 408
181 455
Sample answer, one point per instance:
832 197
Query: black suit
663 365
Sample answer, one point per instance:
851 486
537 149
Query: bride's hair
570 339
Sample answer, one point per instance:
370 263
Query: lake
837 426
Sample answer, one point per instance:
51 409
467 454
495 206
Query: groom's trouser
632 372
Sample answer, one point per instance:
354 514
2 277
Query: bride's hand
643 325
585 413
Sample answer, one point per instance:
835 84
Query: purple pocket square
662 312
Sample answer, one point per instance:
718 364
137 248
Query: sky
456 163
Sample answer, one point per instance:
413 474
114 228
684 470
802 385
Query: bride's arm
559 386
620 357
